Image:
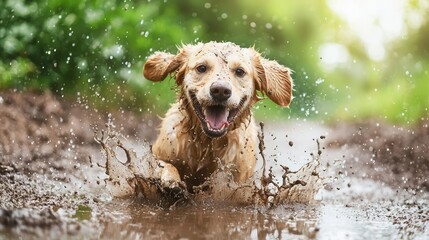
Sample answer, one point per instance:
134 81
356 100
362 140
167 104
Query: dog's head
221 80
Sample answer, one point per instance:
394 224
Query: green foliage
403 100
91 47
394 89
95 50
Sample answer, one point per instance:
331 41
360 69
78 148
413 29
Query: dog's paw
175 193
168 175
176 196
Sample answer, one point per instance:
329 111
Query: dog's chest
198 153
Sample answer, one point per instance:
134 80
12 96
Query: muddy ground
52 181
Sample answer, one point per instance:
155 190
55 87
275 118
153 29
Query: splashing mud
130 175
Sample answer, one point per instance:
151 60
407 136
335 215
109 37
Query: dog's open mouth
215 119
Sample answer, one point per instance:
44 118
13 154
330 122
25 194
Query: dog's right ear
160 64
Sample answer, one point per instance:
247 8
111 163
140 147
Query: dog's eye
239 72
202 68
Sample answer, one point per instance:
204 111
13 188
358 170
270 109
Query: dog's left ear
160 64
273 80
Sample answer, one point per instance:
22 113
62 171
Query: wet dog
211 122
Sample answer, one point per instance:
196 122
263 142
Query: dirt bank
45 144
393 154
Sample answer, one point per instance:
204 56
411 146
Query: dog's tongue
217 116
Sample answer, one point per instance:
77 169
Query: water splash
130 175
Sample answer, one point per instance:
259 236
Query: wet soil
393 154
53 184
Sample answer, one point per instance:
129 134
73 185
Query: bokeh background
352 60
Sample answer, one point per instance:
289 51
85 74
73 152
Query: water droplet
319 81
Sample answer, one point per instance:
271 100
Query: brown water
350 204
333 204
211 221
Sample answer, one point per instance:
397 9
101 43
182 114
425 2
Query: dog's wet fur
211 122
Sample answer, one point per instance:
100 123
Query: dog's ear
273 80
160 64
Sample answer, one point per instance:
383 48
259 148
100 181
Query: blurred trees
95 50
391 89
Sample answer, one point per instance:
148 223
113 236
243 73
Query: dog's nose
220 91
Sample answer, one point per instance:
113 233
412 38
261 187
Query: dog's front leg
168 175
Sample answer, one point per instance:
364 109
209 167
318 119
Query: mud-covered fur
211 120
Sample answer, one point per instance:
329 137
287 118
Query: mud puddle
348 207
210 221
61 193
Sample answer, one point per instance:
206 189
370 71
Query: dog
212 120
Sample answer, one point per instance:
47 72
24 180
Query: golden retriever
212 121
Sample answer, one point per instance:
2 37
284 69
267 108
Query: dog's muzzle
216 118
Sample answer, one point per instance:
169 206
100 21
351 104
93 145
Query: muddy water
212 221
350 204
